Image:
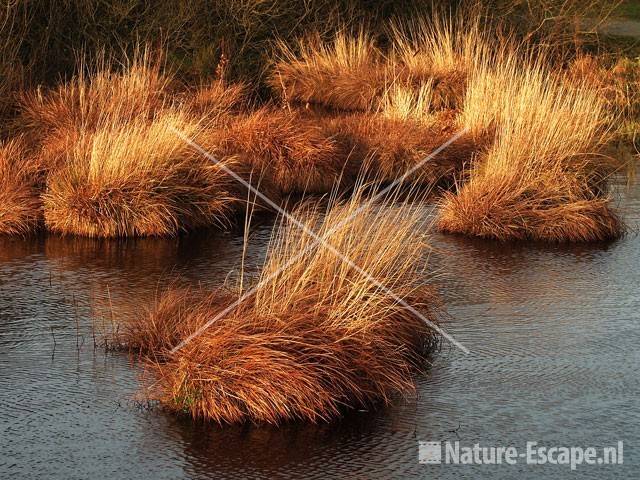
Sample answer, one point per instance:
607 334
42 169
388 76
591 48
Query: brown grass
136 178
387 147
20 206
217 99
617 83
350 72
347 73
440 52
314 340
544 178
284 149
112 162
506 209
53 120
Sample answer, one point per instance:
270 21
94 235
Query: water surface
553 334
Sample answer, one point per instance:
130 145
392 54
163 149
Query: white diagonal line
319 240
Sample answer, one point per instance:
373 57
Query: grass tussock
111 161
53 119
428 59
439 52
135 179
316 338
389 146
347 73
544 177
20 206
380 102
284 149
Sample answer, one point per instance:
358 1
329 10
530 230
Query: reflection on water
553 334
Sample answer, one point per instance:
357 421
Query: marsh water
553 334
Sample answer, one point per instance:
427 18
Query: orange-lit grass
508 209
135 179
387 147
104 93
350 72
347 73
544 177
20 206
287 151
216 99
441 52
314 340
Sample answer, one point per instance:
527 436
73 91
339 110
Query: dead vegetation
317 337
348 104
137 179
544 177
20 207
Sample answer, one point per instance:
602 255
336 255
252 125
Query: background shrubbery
44 37
41 41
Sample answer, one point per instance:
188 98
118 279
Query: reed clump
288 152
347 73
544 177
20 206
316 338
135 179
390 148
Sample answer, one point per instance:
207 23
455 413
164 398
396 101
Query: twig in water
54 344
75 308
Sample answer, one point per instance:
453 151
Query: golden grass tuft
347 73
441 52
124 92
20 206
400 102
134 179
315 339
284 149
506 209
103 94
428 56
387 146
114 165
544 177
